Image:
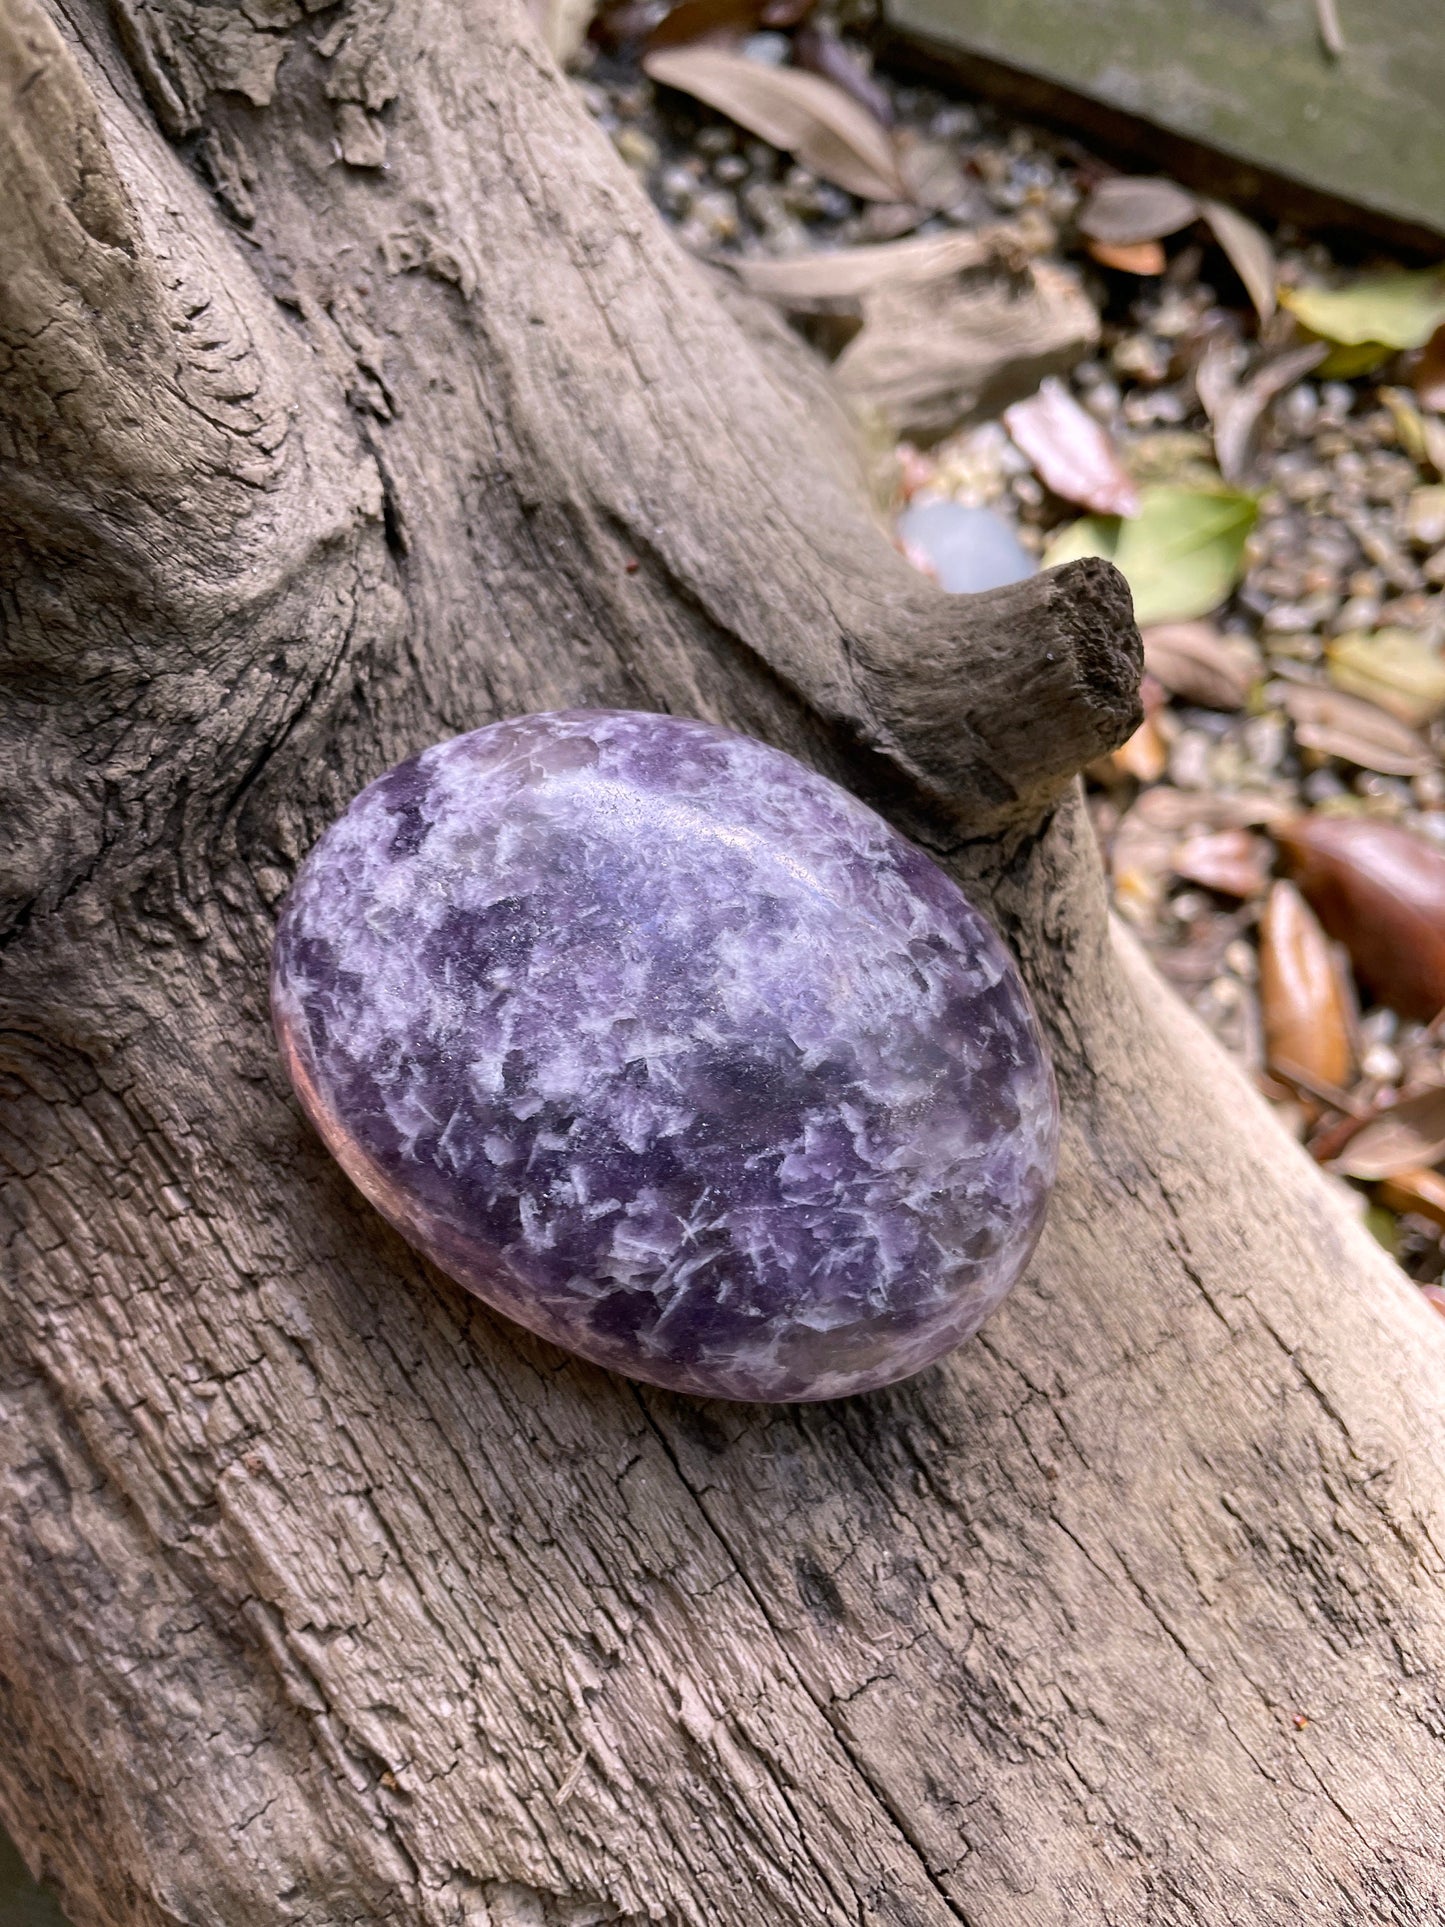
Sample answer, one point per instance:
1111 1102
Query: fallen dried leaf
1071 451
1401 309
1425 516
1131 208
1333 724
1396 669
1302 1001
1165 808
1181 555
1249 251
1235 408
1407 1137
1193 660
1145 756
936 354
1381 892
1435 1297
1232 862
799 112
820 51
822 279
1422 1194
1135 257
1428 379
1421 436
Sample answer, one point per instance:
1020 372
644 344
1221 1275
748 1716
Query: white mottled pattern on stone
671 1050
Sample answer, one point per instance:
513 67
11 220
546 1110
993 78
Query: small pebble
966 549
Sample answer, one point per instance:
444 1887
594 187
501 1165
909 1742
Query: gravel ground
1350 535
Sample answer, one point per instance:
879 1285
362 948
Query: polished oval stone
671 1050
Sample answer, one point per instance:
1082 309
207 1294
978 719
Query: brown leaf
816 281
1381 892
1071 451
1407 1137
1131 208
820 51
1303 1004
1166 808
940 353
1333 724
1137 257
1428 380
1232 862
1423 1194
1249 251
807 116
1193 660
1235 408
1145 755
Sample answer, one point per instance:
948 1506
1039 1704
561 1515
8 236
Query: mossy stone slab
1248 79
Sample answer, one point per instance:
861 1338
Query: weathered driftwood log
352 396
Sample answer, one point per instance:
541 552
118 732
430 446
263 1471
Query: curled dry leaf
1407 1137
1071 451
819 281
1194 661
1137 257
1381 892
1236 408
1303 1003
1232 862
799 112
1131 208
1249 251
1396 669
1334 724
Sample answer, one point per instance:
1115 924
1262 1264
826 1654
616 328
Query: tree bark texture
351 396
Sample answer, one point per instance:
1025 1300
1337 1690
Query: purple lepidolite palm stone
671 1050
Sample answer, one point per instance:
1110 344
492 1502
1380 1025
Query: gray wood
1250 79
324 1595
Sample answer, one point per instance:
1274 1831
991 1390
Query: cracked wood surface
353 396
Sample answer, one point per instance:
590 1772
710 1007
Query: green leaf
1380 311
1181 554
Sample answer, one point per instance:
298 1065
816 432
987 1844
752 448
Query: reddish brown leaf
1428 379
1232 862
1129 209
1381 892
1421 1192
1137 257
1407 1137
1306 1015
1071 451
1193 660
